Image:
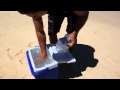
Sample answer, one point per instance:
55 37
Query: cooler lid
66 57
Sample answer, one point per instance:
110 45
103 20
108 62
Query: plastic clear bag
62 44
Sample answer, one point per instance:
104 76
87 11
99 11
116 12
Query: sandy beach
98 56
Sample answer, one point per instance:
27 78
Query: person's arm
83 16
41 37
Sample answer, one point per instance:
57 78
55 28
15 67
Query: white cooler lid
66 57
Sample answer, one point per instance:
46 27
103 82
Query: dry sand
101 33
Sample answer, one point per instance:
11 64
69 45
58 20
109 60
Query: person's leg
53 39
54 24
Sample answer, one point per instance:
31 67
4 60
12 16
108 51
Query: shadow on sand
84 56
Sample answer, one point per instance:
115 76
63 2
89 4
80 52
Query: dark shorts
55 21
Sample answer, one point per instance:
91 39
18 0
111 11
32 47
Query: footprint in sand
118 74
19 54
1 73
25 76
31 44
96 32
21 60
1 76
0 34
9 55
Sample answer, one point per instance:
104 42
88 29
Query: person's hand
72 40
41 57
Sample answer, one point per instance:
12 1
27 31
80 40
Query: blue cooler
42 70
49 68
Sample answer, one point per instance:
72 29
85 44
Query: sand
100 37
